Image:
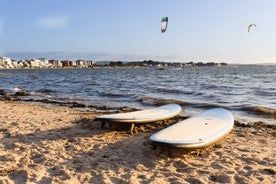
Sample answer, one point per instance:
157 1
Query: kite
164 24
249 27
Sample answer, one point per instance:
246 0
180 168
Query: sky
129 30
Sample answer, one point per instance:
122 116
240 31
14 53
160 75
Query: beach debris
75 104
250 26
164 24
2 92
21 93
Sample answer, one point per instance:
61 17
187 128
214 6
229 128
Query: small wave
46 91
112 95
207 105
17 89
174 91
160 101
37 93
209 86
261 110
269 92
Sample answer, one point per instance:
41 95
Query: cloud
53 22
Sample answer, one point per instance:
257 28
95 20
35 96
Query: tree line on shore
151 63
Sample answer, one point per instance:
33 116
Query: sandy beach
46 144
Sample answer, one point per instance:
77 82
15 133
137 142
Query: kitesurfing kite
164 24
250 26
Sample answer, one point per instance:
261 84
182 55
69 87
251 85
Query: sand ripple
41 144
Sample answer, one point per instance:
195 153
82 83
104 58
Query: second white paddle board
196 132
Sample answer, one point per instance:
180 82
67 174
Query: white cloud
53 22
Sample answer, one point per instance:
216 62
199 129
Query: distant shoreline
8 63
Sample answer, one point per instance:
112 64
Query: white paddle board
196 132
144 116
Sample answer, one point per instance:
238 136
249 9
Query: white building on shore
39 63
6 62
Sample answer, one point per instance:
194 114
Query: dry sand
45 144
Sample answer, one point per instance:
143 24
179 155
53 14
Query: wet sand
47 144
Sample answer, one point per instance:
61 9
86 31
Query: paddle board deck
196 132
143 116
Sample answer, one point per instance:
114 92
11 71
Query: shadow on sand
86 152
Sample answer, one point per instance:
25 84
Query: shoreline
44 144
268 115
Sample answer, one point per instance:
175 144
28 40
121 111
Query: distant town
9 63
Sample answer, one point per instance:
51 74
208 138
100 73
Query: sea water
248 91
